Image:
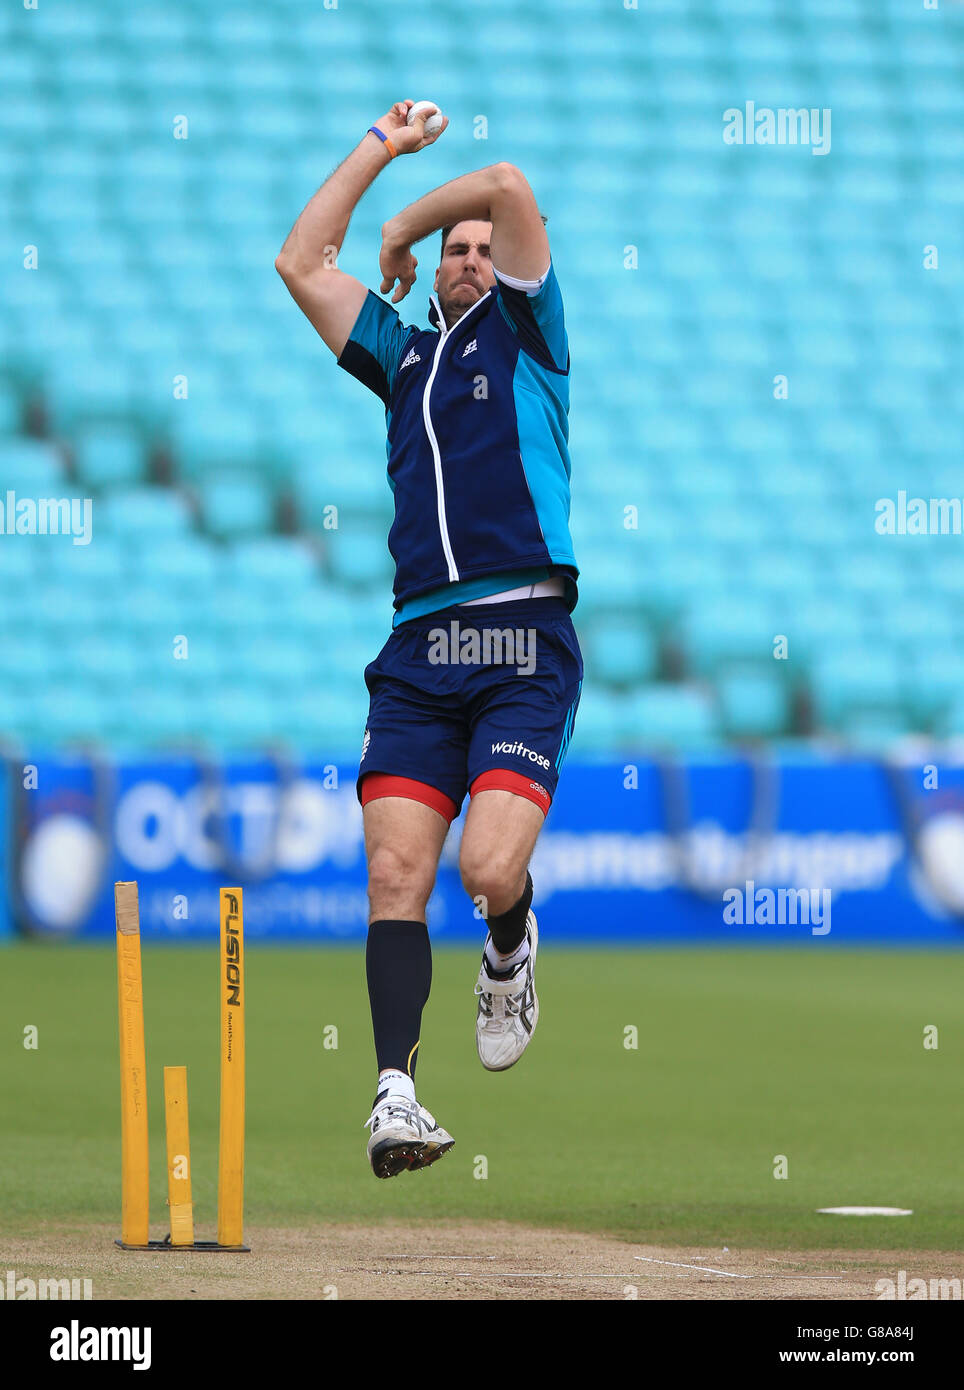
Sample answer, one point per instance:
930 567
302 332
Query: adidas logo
410 359
471 348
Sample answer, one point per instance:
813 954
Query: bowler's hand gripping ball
433 123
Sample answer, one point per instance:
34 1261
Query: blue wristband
373 130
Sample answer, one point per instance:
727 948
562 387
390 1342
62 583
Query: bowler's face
466 271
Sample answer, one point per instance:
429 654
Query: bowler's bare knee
497 843
403 840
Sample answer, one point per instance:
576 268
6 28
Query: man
477 688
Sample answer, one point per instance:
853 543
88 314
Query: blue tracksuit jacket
478 456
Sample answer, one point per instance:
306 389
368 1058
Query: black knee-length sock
508 928
398 962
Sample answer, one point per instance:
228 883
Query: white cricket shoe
404 1136
508 1009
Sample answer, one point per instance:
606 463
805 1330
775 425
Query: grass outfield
817 1055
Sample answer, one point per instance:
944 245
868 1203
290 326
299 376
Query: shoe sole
535 1010
394 1156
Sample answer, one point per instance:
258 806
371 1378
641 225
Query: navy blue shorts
472 692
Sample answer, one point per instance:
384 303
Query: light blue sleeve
374 347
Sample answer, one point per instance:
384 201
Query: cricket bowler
477 687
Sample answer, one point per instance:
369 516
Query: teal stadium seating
155 363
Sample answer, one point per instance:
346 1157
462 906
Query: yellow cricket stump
178 1156
130 1008
135 1185
231 1141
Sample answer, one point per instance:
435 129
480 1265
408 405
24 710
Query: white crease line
707 1269
704 1269
785 1276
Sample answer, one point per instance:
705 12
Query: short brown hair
447 230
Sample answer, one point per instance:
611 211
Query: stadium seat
147 717
860 681
753 704
721 632
666 716
138 515
30 467
623 652
280 565
235 505
109 455
211 437
358 555
185 564
325 723
601 720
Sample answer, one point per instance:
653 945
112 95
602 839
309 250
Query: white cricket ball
433 123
